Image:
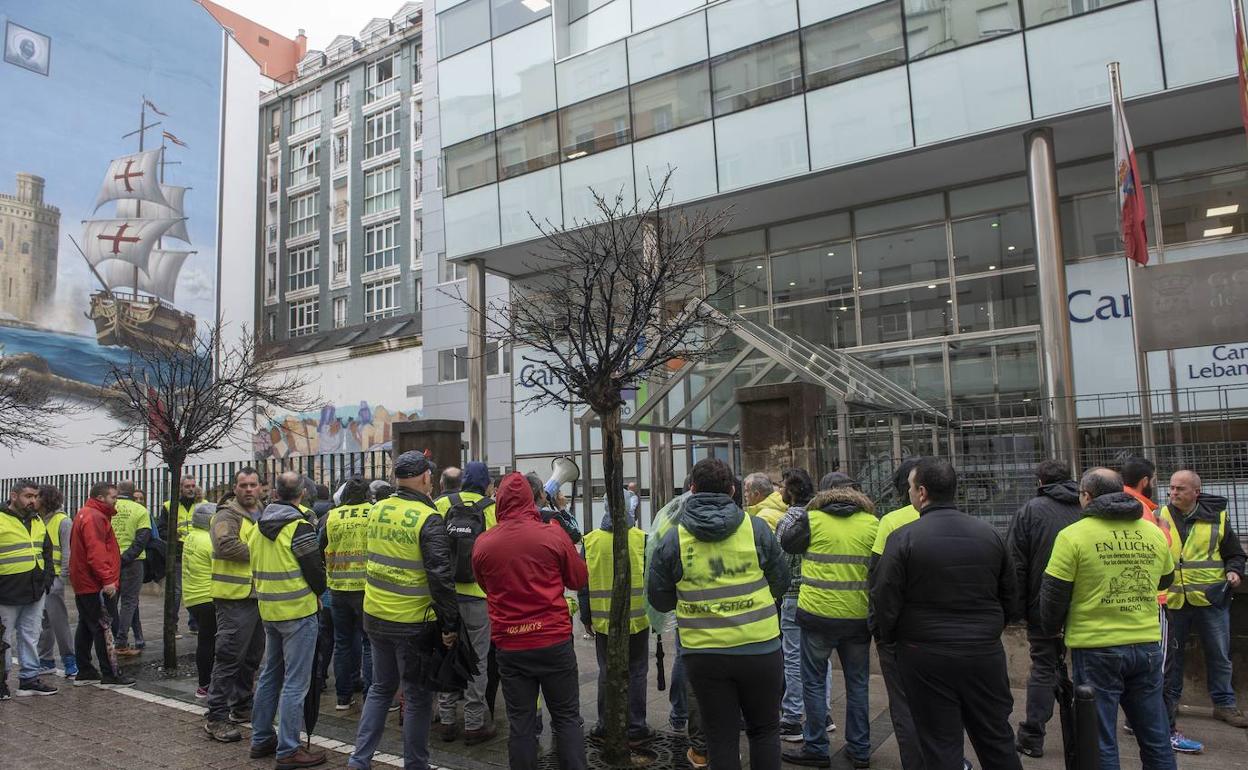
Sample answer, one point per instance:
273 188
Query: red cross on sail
127 240
133 177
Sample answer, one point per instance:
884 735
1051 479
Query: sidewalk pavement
91 730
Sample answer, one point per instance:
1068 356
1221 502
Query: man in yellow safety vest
25 573
55 612
133 526
188 496
344 542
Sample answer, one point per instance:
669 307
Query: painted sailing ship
127 255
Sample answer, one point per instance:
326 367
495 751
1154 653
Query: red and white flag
1130 195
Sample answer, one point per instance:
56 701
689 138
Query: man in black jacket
1031 536
25 574
942 592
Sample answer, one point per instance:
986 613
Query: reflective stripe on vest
184 518
53 528
281 590
731 606
396 587
21 550
599 560
1198 565
346 541
232 579
834 568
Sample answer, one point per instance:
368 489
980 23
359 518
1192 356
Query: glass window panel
762 144
822 271
609 174
998 302
602 25
648 13
671 101
935 26
823 323
507 15
907 257
1043 11
737 23
993 242
905 315
528 146
688 153
737 285
808 231
815 11
986 370
666 48
969 91
466 95
1067 61
592 73
1187 159
463 27
579 8
890 216
761 73
1197 40
535 195
470 164
524 74
749 243
855 44
471 221
595 125
987 197
919 370
862 118
1090 225
1204 207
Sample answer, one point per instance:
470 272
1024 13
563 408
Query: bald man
1209 565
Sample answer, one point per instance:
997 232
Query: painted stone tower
29 233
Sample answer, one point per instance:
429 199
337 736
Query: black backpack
464 522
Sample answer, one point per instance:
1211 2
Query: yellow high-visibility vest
129 518
834 567
396 587
598 559
281 590
197 567
20 550
232 579
53 528
731 606
184 518
346 544
1198 564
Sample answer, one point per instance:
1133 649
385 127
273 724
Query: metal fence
218 478
996 446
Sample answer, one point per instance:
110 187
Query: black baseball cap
411 464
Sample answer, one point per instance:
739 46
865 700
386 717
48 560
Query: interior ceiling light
992 267
931 286
1009 248
758 267
792 283
1221 211
996 224
577 154
1212 231
831 253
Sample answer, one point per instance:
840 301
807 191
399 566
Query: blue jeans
351 645
23 623
289 646
855 655
791 643
1214 626
391 655
1129 675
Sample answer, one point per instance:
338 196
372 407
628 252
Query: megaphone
562 471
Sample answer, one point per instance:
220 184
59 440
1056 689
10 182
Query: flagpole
1141 357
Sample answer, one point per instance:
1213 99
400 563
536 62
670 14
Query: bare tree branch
28 414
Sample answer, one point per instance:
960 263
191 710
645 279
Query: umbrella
658 661
1066 713
106 623
447 670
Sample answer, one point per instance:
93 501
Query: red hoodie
524 567
96 559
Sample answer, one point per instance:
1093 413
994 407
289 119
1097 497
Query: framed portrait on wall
27 49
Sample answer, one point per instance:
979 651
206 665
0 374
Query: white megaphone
562 471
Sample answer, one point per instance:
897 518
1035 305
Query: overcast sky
321 20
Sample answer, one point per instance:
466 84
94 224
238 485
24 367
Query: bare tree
614 301
26 413
193 397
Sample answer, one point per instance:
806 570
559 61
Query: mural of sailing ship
126 251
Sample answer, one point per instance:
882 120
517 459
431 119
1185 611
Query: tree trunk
172 565
615 720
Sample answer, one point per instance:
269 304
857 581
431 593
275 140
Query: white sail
133 177
159 279
128 240
129 209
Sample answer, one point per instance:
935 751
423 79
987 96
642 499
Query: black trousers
729 687
205 616
324 644
953 691
95 620
1048 667
552 670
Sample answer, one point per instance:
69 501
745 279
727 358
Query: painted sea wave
72 356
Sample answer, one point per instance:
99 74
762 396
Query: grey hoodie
303 544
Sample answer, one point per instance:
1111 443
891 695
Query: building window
304 212
305 112
303 162
757 74
418 230
418 117
418 297
304 317
340 312
342 150
470 164
595 125
381 189
305 265
670 101
418 185
381 133
450 272
275 125
341 260
1044 11
270 327
381 246
936 26
417 54
497 359
453 365
855 44
381 299
270 275
528 146
381 79
342 96
463 26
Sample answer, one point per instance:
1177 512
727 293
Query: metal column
477 413
1059 375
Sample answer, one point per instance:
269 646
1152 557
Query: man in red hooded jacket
94 572
524 566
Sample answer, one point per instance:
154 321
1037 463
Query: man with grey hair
762 499
1210 566
1101 585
